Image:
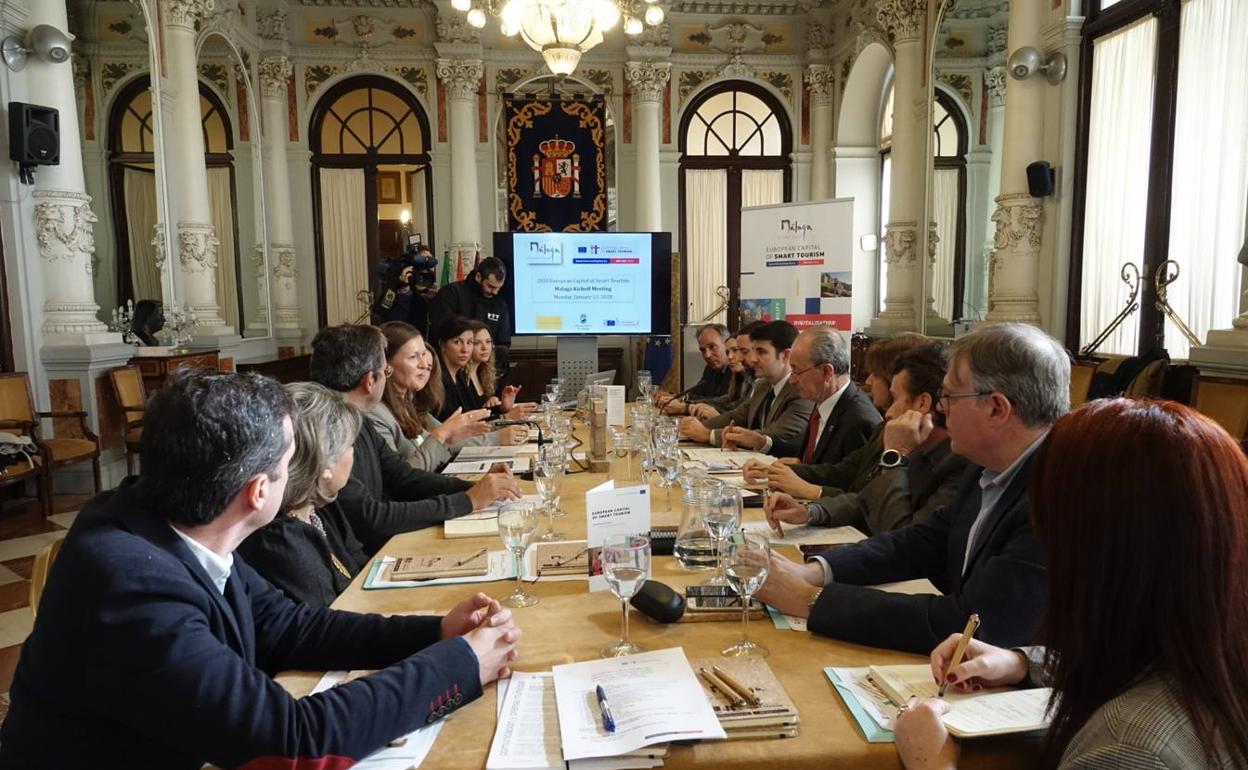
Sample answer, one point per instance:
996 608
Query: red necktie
812 438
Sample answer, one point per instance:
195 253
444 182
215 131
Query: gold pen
972 624
716 688
778 528
741 689
464 561
724 689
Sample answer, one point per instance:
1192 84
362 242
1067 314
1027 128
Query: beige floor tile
66 520
15 626
20 547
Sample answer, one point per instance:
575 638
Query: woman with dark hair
1142 510
403 418
309 550
148 318
455 353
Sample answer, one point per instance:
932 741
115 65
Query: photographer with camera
477 298
408 284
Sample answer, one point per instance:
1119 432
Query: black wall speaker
1040 179
34 134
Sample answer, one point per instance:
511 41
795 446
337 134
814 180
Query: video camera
423 269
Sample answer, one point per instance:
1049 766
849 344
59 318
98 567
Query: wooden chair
1225 400
39 572
1080 381
17 407
132 396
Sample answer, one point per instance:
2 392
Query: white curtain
886 192
343 242
1210 184
1119 134
419 208
762 187
945 213
139 189
706 239
221 203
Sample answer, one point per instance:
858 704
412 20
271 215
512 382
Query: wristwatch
891 458
810 605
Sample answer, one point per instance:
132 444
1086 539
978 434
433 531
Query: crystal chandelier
562 30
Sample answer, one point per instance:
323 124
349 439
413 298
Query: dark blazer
1005 580
464 298
714 383
386 496
849 426
457 393
138 661
786 420
295 557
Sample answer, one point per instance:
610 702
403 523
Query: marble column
977 280
1226 350
1013 266
275 69
188 183
647 80
905 21
461 78
64 218
822 84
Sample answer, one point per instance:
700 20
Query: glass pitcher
695 548
625 457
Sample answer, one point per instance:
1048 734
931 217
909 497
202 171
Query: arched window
948 209
886 186
132 186
735 141
370 170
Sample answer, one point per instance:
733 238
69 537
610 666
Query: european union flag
658 358
582 249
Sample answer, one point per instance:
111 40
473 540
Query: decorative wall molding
274 25
822 80
197 248
899 241
113 72
455 29
275 72
64 226
158 243
647 79
460 76
994 81
283 261
961 84
1019 218
819 40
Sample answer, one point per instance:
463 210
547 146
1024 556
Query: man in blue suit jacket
1005 386
155 646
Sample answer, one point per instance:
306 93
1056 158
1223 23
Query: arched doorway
132 187
950 144
370 141
735 145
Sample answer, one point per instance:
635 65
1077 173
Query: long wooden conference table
570 624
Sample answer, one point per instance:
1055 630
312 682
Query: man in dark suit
155 645
887 483
713 345
1005 386
773 419
844 417
385 495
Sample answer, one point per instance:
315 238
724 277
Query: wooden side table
156 369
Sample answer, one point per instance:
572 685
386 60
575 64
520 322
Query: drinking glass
668 461
645 383
625 563
721 520
516 523
747 555
548 471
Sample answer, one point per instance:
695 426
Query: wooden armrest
81 416
63 413
27 424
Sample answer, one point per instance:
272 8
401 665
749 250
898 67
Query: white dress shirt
218 568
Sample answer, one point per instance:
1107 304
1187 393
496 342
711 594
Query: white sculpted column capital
903 19
822 80
65 227
994 81
187 14
899 243
647 79
275 72
1016 252
197 248
461 77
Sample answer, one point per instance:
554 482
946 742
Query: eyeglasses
943 399
796 373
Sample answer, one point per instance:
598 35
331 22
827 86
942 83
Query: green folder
870 730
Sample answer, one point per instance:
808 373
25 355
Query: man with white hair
1005 387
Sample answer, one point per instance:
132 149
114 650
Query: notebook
775 714
442 566
999 711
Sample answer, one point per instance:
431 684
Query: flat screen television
587 283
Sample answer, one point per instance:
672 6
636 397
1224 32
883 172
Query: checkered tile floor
23 533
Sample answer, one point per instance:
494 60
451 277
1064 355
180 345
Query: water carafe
695 548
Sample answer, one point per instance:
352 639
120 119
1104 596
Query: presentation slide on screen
581 283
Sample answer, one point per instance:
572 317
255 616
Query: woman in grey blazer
1145 639
404 417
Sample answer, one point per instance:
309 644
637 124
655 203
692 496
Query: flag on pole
459 265
446 266
476 261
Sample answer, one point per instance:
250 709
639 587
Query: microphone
684 392
541 439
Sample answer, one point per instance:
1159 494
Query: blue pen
608 722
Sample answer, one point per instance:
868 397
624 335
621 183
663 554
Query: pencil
972 624
467 559
741 689
716 688
724 689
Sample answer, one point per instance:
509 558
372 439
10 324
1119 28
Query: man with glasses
844 417
1005 386
774 418
385 495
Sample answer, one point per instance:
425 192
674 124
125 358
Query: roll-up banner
796 263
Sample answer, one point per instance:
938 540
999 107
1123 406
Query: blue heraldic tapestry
556 164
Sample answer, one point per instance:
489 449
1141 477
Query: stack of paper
480 523
725 460
463 467
748 699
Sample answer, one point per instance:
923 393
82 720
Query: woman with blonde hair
405 417
309 550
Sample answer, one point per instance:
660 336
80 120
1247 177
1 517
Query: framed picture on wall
389 186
